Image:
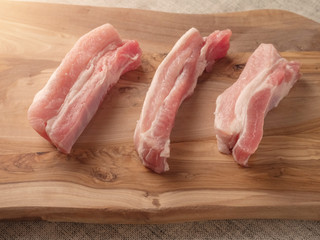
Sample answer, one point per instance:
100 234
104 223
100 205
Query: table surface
215 229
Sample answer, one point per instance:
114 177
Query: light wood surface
102 180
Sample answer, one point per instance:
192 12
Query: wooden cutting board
102 179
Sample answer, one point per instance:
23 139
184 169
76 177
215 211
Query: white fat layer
161 67
257 84
278 92
86 82
166 151
76 88
149 135
85 75
222 146
160 143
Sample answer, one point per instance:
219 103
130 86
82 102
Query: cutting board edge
121 216
166 207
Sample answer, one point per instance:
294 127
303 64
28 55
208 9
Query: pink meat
63 108
174 80
241 109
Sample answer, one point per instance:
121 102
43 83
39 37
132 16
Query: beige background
310 9
224 229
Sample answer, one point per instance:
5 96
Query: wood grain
102 179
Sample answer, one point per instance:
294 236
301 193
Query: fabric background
222 229
215 229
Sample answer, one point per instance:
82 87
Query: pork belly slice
240 110
174 80
63 108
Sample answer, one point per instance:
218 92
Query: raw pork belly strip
174 80
241 109
64 107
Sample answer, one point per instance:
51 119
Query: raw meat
64 107
174 80
241 109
